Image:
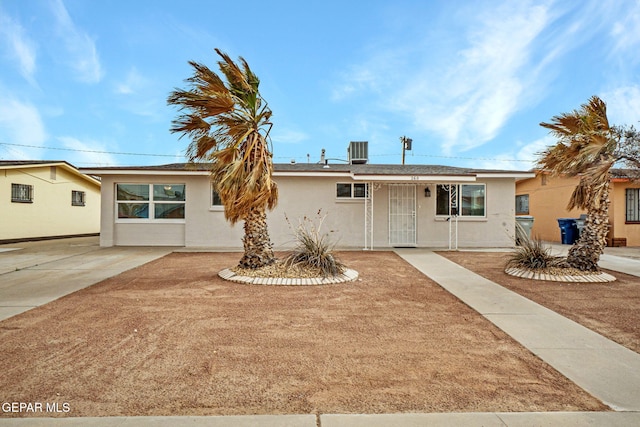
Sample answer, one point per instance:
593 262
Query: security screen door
402 215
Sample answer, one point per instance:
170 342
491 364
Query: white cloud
140 96
288 136
83 55
132 83
466 93
20 123
625 31
623 105
485 84
84 154
524 157
19 45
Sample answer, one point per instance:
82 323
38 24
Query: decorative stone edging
348 276
599 277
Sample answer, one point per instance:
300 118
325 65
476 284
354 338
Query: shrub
531 253
314 249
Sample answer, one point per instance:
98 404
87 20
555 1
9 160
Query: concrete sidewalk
622 259
470 419
607 370
35 273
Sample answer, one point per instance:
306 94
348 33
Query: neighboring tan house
367 206
47 199
545 198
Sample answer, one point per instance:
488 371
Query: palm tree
228 123
587 148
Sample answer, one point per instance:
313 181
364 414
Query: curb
348 276
600 277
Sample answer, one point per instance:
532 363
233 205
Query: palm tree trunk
258 250
585 254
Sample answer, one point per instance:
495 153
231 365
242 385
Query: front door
402 215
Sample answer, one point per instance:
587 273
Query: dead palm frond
586 148
228 123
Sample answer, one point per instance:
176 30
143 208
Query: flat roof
371 172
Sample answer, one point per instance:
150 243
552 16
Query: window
632 207
21 193
150 201
351 191
461 199
215 198
522 204
77 198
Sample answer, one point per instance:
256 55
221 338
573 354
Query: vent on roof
358 152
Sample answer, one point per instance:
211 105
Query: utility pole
406 145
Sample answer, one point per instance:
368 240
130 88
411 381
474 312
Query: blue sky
468 81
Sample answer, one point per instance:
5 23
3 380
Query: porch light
427 192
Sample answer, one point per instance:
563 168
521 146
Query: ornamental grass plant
532 254
314 248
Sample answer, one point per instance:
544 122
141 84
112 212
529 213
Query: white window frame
151 202
459 202
212 207
352 192
21 193
82 199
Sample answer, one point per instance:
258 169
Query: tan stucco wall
305 196
51 213
548 203
618 215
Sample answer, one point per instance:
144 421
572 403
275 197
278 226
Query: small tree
588 147
228 122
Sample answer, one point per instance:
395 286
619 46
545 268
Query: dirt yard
171 338
611 309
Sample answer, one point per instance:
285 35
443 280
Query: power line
277 157
89 151
459 157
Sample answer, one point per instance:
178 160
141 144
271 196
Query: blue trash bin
568 230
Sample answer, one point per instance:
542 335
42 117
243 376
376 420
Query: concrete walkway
35 273
602 367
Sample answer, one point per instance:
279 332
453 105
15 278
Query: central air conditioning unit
358 152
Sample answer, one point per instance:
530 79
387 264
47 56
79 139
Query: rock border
598 277
348 276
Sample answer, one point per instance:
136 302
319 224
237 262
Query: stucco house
545 198
367 205
47 199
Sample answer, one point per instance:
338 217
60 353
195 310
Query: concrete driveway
35 273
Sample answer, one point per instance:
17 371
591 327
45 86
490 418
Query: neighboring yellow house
46 199
546 198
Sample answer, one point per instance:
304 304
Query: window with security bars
522 204
77 198
21 193
461 199
632 207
